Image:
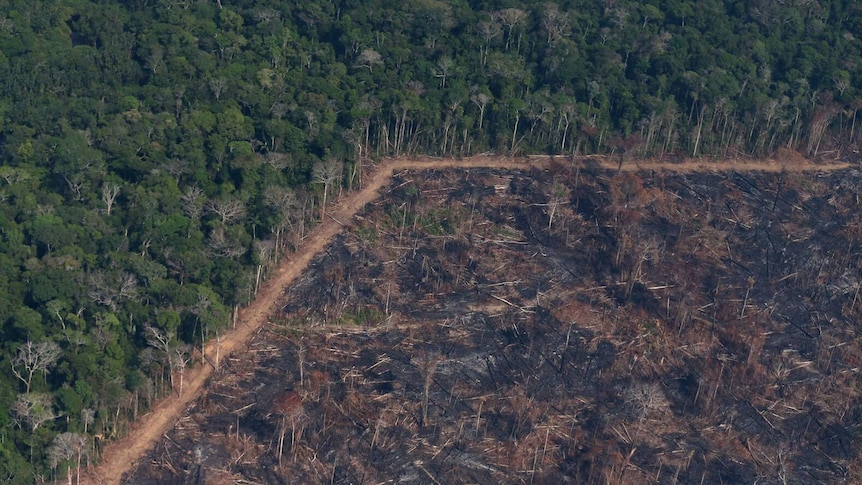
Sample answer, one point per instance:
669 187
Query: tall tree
327 173
32 358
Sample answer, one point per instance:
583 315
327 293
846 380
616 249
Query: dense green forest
157 156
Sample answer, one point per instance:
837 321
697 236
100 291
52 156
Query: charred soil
569 324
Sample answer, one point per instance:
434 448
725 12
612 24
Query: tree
110 289
181 358
88 415
164 342
110 191
368 58
223 245
282 201
218 85
278 161
288 406
65 447
481 101
511 18
32 358
33 409
555 23
228 209
488 30
327 173
192 206
445 66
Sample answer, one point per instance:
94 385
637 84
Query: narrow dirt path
120 456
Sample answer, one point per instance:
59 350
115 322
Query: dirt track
120 456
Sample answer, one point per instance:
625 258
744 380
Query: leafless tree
88 415
193 202
108 290
511 18
353 138
163 341
568 114
128 288
278 161
218 86
56 308
181 358
647 398
77 184
176 168
223 246
33 409
326 172
538 113
264 250
451 117
284 201
820 120
228 209
619 16
481 100
556 24
368 58
841 84
266 15
559 194
65 447
311 120
155 60
288 407
488 31
110 191
60 451
445 67
32 358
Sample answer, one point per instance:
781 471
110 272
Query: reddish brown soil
120 456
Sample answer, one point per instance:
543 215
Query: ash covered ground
564 326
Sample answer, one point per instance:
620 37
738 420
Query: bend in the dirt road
119 457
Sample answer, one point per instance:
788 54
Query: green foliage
363 316
125 125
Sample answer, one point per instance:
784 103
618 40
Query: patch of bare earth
537 321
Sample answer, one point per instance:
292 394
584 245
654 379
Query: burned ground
564 326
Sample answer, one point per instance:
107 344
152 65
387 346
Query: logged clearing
121 456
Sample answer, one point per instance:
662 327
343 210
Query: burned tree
290 411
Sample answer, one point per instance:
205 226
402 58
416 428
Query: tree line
158 156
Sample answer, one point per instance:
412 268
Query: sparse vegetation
669 328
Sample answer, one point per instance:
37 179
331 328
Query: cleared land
498 301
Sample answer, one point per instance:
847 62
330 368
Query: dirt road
120 456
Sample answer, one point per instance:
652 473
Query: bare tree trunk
699 130
515 132
257 279
281 432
